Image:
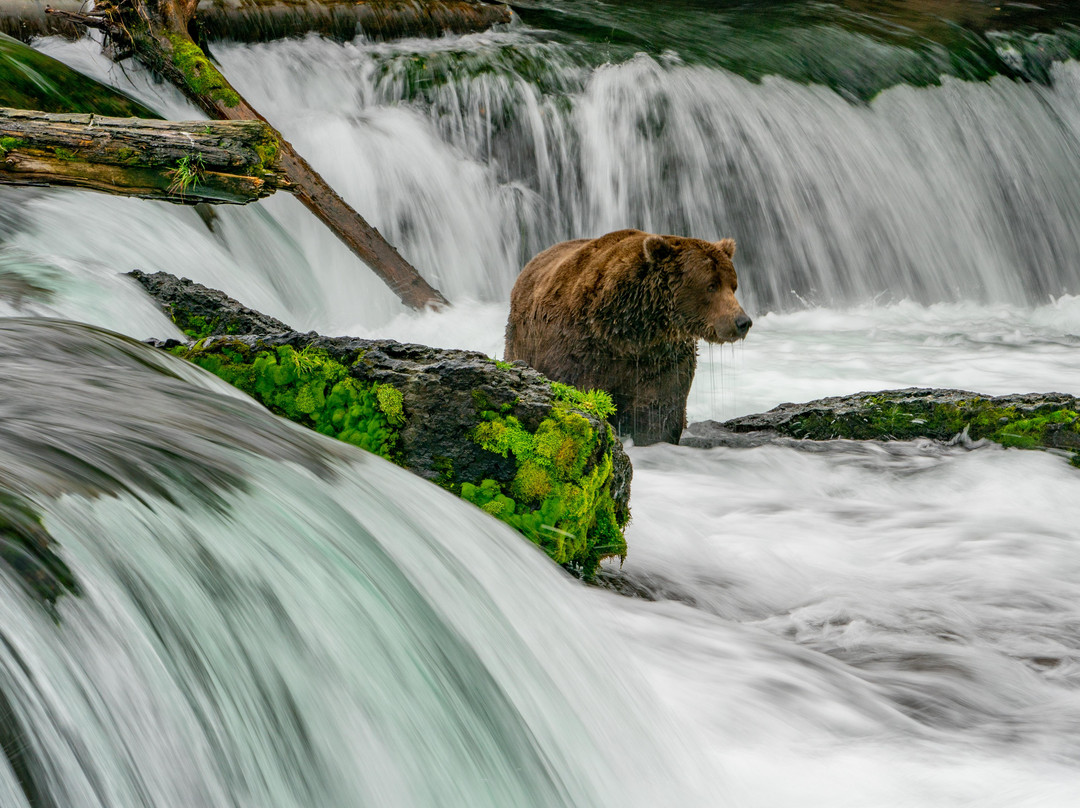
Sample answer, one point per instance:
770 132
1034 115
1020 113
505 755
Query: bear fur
623 313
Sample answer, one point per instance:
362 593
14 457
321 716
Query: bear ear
727 246
656 248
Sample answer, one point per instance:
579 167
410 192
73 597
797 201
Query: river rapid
840 624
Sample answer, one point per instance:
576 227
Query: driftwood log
157 32
260 20
197 161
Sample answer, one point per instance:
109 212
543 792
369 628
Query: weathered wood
260 20
245 146
156 31
189 162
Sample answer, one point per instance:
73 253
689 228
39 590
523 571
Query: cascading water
268 619
265 620
474 153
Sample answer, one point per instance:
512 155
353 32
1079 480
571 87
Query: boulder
537 454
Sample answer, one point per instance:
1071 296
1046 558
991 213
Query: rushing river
269 619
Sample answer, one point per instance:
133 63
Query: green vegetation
189 170
199 73
308 387
196 327
267 148
10 144
558 494
597 402
560 497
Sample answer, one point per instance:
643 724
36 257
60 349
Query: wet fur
623 313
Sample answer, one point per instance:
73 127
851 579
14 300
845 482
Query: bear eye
714 286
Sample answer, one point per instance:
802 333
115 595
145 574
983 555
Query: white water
861 626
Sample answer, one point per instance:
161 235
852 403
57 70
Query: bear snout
743 323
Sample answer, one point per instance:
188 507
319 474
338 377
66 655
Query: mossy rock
31 80
1027 421
536 454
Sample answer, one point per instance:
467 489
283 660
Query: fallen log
261 20
190 162
535 454
157 33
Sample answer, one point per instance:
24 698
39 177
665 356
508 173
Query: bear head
702 281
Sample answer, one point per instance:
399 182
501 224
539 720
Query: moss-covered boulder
536 454
1027 421
31 80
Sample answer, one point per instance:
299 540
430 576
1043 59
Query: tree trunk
156 31
197 161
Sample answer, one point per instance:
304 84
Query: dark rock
200 312
1030 420
709 434
447 398
30 552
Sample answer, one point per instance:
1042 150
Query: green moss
391 402
308 387
503 365
444 466
267 148
555 498
196 327
128 156
10 144
596 402
200 74
1034 432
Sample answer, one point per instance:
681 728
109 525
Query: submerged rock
1027 421
536 454
28 550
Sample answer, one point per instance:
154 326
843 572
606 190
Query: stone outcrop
200 311
1027 421
536 454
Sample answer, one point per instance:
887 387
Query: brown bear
623 313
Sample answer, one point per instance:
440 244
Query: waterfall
268 619
473 153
